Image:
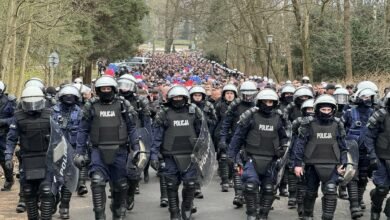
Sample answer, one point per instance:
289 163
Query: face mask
126 94
68 99
267 110
288 99
367 103
106 96
325 117
178 103
298 101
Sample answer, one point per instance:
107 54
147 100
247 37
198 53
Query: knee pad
382 190
268 189
330 189
28 191
189 184
172 184
251 188
97 179
45 190
120 185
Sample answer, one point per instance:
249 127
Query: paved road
215 206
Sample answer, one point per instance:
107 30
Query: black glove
280 152
373 166
9 164
154 164
135 158
79 160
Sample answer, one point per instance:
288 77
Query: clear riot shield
352 161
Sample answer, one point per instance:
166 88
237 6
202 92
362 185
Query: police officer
68 115
377 142
36 82
307 110
198 97
109 123
341 96
286 97
7 108
128 89
319 156
175 129
290 113
262 133
31 125
229 93
248 92
355 120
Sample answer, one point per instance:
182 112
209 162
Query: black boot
82 188
387 208
300 196
188 194
283 185
267 198
146 172
173 199
198 191
9 177
377 196
362 184
354 200
343 192
223 170
308 204
21 207
65 200
119 199
292 190
163 192
130 194
238 200
47 201
251 194
98 187
31 197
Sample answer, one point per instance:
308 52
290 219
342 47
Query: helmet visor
341 99
33 103
126 85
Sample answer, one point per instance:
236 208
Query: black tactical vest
241 108
179 136
382 147
108 125
263 137
322 147
296 112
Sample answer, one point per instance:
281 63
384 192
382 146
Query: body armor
322 149
108 129
34 135
180 136
262 141
357 126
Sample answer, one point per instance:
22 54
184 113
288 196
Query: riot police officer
109 123
31 125
263 135
225 170
290 113
377 143
319 156
355 120
175 129
286 97
198 97
128 89
248 92
7 108
68 115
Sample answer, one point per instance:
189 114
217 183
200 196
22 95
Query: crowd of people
270 139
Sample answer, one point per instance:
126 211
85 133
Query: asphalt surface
216 205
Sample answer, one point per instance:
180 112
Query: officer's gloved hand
135 158
79 160
9 164
280 152
154 164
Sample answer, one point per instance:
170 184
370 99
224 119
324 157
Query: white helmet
229 87
267 94
127 83
366 85
32 99
198 89
307 104
178 91
69 90
106 81
303 91
248 90
36 82
341 96
287 89
325 99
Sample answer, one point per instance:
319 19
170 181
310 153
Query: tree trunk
88 72
7 41
25 53
387 23
347 41
287 42
11 75
170 21
306 42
